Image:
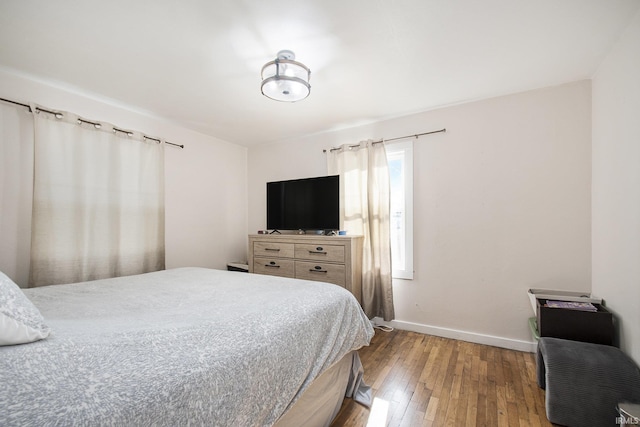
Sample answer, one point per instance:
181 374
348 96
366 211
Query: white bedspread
188 346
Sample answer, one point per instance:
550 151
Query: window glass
400 161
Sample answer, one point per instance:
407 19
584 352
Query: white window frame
404 150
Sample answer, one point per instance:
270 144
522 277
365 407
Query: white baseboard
460 335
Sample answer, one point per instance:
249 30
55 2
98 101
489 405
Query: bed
187 346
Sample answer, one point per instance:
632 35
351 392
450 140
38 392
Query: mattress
183 346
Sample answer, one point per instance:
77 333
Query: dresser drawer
274 266
331 253
273 249
322 272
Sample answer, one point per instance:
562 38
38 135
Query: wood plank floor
423 380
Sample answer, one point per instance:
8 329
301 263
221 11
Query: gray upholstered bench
584 382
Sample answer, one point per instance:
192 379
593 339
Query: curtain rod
380 141
96 124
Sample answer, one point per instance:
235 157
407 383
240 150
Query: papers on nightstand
572 305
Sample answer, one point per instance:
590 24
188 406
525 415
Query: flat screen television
304 204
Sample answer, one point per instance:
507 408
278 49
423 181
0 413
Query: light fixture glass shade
284 79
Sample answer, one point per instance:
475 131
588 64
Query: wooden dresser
333 259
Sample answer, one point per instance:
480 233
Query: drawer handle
272 264
317 269
318 252
272 249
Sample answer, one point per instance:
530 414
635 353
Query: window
400 160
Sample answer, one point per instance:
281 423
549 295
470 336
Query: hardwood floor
423 380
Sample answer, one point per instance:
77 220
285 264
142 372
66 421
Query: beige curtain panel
98 202
364 194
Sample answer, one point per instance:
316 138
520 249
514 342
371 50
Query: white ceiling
198 62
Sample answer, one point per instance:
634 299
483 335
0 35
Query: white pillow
20 320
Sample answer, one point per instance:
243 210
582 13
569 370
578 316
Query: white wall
502 204
616 185
206 182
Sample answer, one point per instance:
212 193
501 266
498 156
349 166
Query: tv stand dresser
333 259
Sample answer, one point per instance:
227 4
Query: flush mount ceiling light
284 79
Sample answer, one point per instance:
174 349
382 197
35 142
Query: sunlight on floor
378 413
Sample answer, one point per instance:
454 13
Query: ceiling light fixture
284 79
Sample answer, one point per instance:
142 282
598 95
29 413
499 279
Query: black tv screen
304 204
